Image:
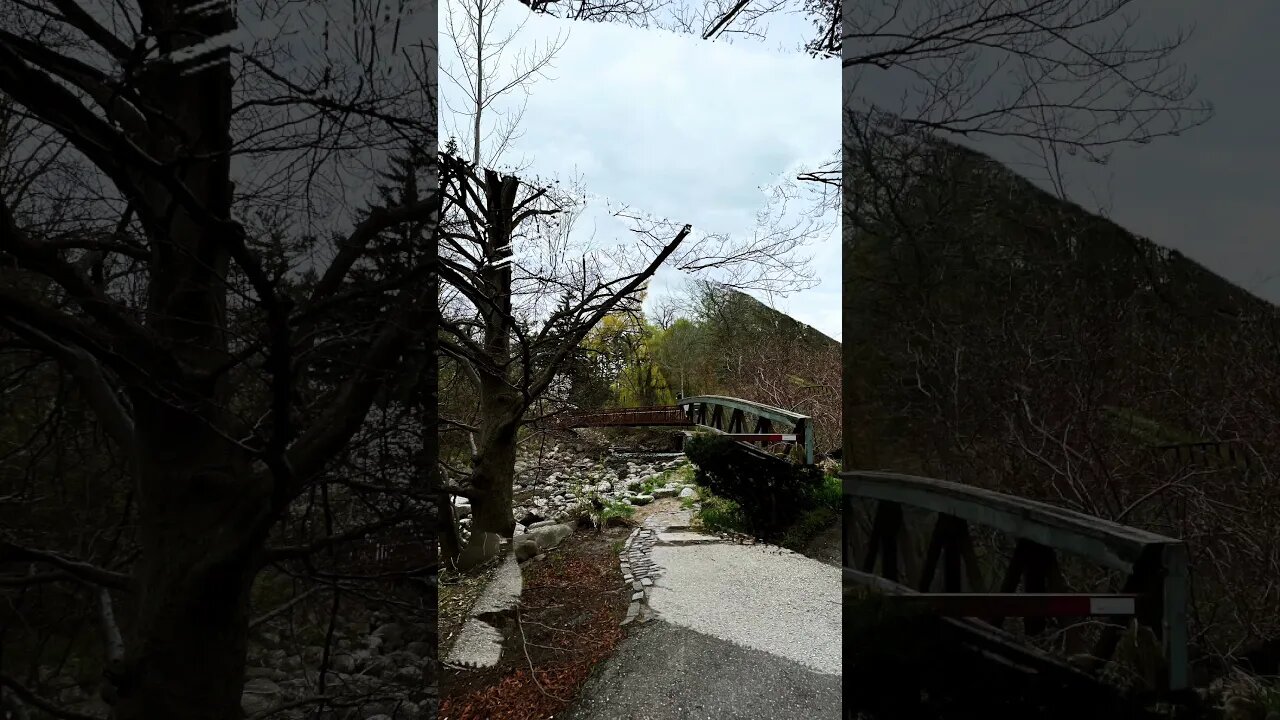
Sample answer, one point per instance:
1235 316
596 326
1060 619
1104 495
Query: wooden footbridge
725 415
881 509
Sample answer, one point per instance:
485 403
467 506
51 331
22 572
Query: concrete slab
686 538
479 643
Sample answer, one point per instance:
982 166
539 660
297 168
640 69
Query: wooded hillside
1000 336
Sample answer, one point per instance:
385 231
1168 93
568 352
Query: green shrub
770 494
829 493
721 515
602 513
615 510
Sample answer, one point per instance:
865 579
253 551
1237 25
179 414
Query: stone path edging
638 570
636 559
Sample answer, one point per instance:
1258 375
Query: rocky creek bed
555 485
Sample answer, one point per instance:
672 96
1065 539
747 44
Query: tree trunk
450 544
188 656
493 474
204 518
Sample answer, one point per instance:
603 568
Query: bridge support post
1174 621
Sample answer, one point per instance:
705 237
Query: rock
542 524
259 694
549 536
407 674
274 674
531 518
343 662
688 492
604 487
1242 708
641 499
391 632
664 492
524 547
92 707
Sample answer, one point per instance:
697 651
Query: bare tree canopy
175 236
1065 76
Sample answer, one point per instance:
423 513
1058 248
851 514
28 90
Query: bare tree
189 298
485 74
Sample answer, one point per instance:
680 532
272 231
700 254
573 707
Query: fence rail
1155 565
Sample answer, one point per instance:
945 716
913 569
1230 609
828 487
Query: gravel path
666 672
756 596
726 630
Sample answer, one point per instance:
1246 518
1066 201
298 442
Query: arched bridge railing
1154 592
732 416
655 416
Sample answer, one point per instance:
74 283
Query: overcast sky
1211 193
678 127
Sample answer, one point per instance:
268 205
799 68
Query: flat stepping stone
479 643
686 538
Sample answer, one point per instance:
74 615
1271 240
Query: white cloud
676 126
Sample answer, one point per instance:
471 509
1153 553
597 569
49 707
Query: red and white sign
1024 604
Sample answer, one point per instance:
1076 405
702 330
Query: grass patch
811 524
721 515
682 475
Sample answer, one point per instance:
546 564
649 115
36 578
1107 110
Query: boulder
664 492
461 507
259 694
343 662
641 499
688 492
539 540
392 633
550 536
524 547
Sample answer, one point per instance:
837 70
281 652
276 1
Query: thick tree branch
83 571
27 696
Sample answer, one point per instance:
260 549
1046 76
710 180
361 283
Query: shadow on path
666 672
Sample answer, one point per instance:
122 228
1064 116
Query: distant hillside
752 311
750 350
997 335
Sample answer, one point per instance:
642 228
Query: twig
524 645
285 607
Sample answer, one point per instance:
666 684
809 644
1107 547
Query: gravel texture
757 596
666 672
